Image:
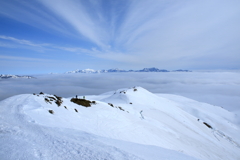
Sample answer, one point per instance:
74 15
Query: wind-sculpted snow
130 123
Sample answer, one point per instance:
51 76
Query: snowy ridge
130 123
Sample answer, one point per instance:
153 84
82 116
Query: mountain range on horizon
153 69
116 70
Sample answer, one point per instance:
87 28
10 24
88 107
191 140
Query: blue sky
42 36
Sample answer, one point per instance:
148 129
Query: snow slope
129 123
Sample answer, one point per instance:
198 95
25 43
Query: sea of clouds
217 88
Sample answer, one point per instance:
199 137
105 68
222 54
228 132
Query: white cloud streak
43 47
22 41
17 58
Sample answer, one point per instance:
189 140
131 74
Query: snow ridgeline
130 123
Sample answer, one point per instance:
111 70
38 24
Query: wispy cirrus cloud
18 58
86 22
22 41
47 46
43 46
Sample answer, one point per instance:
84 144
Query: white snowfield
129 123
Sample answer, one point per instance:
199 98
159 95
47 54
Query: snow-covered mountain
130 123
153 69
6 76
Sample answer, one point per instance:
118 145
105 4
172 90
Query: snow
130 123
